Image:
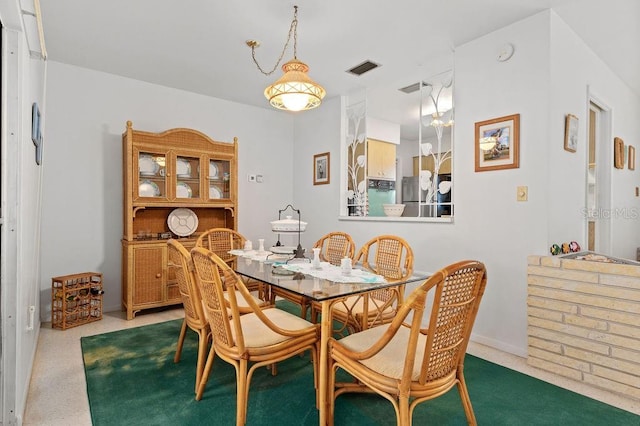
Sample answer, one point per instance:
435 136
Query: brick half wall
584 321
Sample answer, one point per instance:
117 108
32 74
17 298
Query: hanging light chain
293 29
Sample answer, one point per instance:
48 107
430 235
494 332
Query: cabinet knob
159 275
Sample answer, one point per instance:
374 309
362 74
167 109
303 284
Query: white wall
87 113
574 68
23 81
318 131
490 225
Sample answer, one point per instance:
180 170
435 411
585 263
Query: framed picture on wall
498 143
618 153
321 169
571 133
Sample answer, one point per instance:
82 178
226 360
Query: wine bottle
97 291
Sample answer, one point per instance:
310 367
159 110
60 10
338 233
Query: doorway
598 191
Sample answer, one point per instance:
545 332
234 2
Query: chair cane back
386 255
180 259
409 363
261 338
333 246
221 241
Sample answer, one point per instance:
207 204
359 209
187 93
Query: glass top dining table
324 291
316 289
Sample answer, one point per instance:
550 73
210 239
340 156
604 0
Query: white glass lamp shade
294 91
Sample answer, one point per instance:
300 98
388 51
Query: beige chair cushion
390 360
242 303
257 334
356 305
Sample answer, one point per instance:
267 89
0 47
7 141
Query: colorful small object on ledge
574 247
555 249
565 248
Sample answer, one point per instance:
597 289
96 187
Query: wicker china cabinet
177 184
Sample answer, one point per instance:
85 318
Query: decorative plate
213 170
183 190
148 189
214 192
183 168
146 165
182 222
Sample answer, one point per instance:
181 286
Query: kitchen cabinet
381 160
428 164
176 184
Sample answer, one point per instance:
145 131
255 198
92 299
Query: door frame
9 158
604 159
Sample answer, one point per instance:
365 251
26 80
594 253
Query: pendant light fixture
295 90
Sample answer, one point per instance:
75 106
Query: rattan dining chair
407 362
221 241
261 338
333 246
389 256
179 259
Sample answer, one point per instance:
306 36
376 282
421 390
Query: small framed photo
321 169
498 143
571 133
632 158
618 153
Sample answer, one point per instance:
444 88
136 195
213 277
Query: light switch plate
522 193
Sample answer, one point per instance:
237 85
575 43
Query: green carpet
131 379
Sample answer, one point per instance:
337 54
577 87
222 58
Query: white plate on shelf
183 190
183 168
213 170
146 165
182 222
214 192
148 189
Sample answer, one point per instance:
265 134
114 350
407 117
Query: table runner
326 271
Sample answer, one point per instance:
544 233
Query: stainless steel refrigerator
411 194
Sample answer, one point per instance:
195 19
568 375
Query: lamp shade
295 91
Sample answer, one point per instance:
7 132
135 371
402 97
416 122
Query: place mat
331 272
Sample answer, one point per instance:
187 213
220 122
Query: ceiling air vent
363 67
412 87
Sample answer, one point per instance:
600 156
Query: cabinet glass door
187 177
219 179
151 175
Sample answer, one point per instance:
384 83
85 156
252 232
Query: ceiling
199 45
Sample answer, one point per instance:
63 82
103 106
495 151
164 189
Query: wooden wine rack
76 299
